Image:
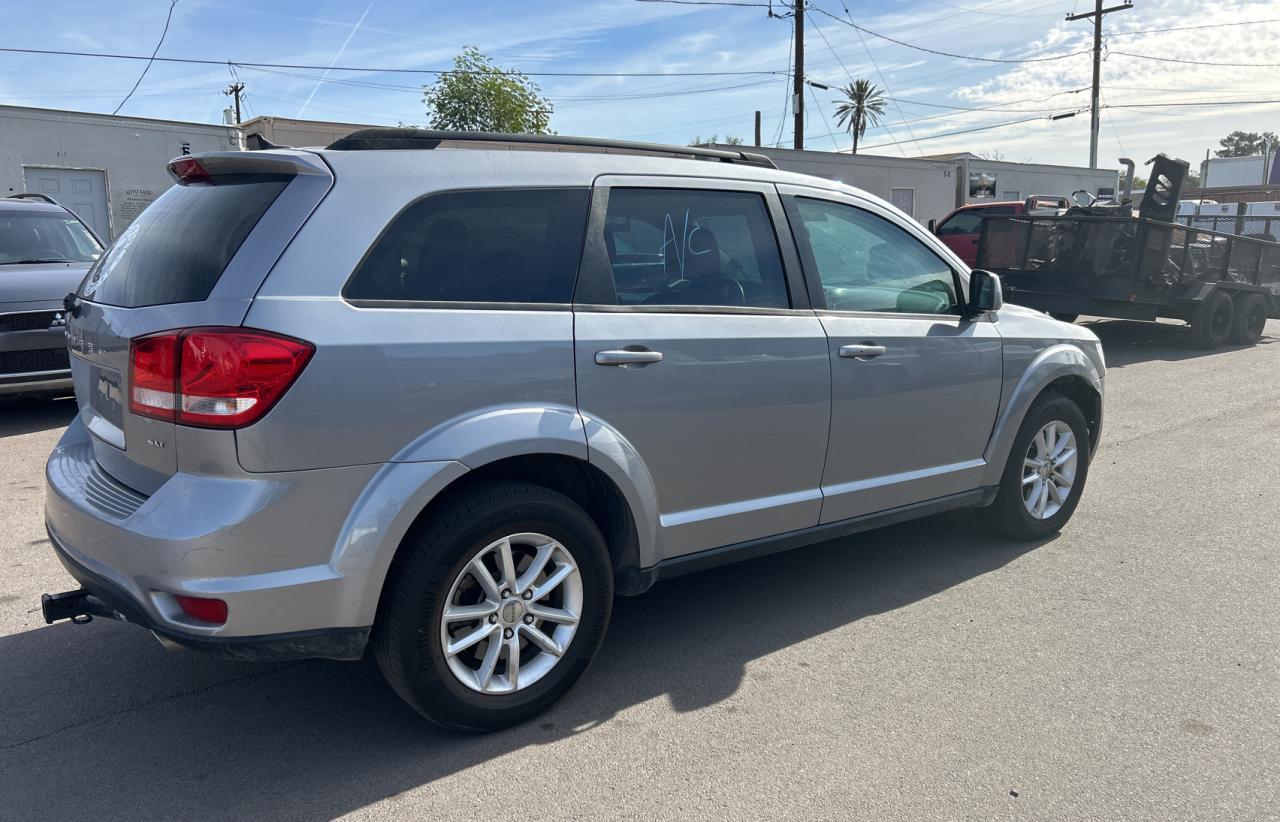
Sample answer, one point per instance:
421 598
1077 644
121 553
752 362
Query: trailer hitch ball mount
78 606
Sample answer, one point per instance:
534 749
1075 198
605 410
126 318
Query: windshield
45 236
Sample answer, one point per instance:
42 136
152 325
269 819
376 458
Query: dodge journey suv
445 395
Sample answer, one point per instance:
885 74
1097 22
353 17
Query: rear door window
690 247
486 246
177 249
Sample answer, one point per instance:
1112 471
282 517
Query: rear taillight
153 374
212 377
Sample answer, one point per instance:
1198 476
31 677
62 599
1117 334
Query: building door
905 199
82 190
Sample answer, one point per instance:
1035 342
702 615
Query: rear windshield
180 245
45 237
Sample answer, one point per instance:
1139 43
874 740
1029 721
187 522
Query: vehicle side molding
643 579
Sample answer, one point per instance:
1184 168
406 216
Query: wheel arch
1064 369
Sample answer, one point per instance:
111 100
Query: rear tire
1062 317
450 686
1249 319
1211 321
1011 514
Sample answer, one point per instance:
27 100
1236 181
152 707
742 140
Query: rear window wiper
37 260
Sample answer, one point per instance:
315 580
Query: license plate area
104 402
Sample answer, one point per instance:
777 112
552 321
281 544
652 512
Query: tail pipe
1127 196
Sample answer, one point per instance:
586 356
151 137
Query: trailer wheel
1211 322
1249 320
1062 316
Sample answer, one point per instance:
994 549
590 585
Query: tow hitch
78 606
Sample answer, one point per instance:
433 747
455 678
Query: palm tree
862 107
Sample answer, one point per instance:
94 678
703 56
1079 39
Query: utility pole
757 128
1097 15
234 91
797 99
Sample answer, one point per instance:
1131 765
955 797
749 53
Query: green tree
862 107
479 96
713 139
1245 143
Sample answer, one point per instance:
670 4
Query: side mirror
985 293
933 226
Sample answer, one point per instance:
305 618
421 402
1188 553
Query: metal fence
1148 250
1256 226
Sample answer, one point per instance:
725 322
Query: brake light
187 170
213 377
153 375
205 610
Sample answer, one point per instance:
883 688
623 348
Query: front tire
1045 473
497 608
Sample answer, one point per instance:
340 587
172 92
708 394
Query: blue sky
628 36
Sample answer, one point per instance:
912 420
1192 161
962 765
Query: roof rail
387 139
32 195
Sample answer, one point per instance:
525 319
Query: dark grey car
45 251
446 398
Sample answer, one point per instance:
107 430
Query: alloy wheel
1049 469
511 613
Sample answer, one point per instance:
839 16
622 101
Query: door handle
861 351
622 356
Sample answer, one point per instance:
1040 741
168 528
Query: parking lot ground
1128 669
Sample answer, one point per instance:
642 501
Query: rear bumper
263 544
115 602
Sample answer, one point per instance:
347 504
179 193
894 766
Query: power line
879 73
786 106
993 13
707 3
826 122
1194 28
382 69
154 52
1194 62
966 131
946 53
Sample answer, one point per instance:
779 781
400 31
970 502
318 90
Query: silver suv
445 395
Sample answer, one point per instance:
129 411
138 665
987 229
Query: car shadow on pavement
27 415
98 721
1125 342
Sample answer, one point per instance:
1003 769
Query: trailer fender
1034 372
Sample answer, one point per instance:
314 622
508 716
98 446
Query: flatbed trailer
1137 268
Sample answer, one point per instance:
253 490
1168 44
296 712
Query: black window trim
595 290
810 264
460 305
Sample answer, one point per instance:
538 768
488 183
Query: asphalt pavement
1128 669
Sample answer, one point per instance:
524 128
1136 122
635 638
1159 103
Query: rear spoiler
206 169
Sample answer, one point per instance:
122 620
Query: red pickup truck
959 230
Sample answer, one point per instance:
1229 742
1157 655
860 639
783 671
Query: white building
928 188
105 168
